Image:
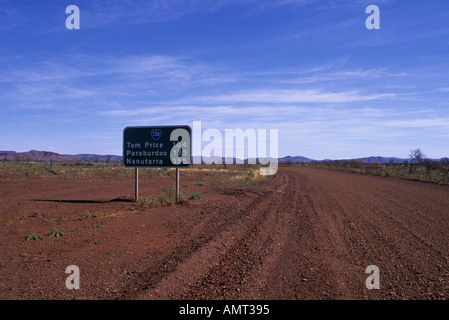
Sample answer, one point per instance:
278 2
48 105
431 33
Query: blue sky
310 69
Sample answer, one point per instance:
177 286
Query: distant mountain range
373 159
34 155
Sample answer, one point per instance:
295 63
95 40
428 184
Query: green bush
128 272
57 232
34 236
196 196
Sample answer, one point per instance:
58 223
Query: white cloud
102 77
419 123
293 96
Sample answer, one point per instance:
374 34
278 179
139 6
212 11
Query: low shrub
34 236
196 196
57 232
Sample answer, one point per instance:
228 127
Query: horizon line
222 157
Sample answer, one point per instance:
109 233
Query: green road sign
161 147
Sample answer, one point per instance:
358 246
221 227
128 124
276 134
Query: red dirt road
305 234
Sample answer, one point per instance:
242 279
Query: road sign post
136 183
177 185
157 147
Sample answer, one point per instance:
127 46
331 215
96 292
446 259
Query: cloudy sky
309 68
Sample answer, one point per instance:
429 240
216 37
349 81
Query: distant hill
34 155
380 160
296 159
96 157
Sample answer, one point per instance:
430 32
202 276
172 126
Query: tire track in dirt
244 268
410 249
412 255
273 248
218 266
310 234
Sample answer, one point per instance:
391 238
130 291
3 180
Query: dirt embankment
305 234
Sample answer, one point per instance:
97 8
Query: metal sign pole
177 185
137 184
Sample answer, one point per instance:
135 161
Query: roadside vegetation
235 174
77 169
166 198
418 168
